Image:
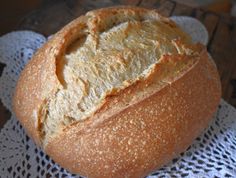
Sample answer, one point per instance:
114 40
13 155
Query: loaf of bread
118 92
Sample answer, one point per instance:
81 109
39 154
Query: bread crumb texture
108 55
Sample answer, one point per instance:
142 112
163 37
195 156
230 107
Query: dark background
13 11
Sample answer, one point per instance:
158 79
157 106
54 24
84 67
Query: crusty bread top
98 63
97 55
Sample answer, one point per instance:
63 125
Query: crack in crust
108 56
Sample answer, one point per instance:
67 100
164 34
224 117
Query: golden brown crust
39 80
137 129
28 96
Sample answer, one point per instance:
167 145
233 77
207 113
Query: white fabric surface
213 154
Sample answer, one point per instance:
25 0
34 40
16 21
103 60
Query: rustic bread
118 92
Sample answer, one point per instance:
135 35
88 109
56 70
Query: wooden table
221 29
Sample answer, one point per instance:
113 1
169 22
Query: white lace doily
213 154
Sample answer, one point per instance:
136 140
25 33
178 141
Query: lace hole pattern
213 154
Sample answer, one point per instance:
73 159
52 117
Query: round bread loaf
118 92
